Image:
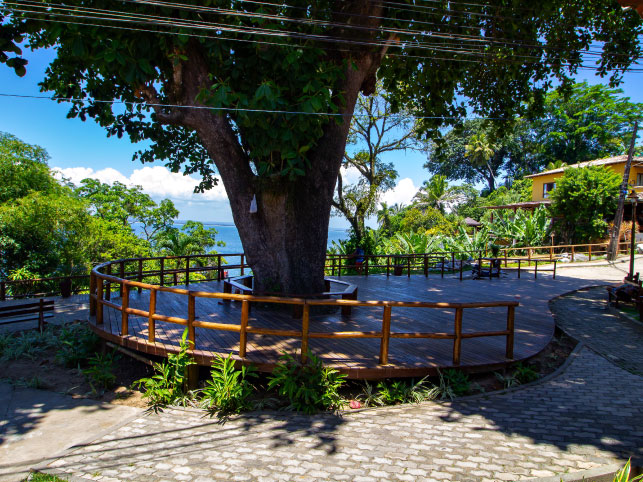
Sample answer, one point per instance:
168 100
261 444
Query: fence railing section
101 279
174 270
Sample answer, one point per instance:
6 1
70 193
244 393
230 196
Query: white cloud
350 175
157 181
402 193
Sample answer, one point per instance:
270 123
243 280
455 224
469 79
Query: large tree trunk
285 240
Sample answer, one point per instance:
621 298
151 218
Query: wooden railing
336 265
100 277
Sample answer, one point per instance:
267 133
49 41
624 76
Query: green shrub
26 344
309 387
100 371
454 383
623 475
167 385
402 392
228 390
77 343
525 374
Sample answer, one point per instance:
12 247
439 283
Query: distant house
545 182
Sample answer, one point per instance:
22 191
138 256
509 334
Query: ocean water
227 232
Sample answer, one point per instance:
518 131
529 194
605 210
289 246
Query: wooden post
408 266
187 271
452 260
140 275
99 299
108 285
92 292
176 278
529 257
162 273
151 322
121 274
505 250
572 253
191 315
386 335
510 328
461 264
518 268
124 307
442 269
366 258
554 269
243 335
304 332
551 253
41 315
426 265
3 291
457 342
219 267
536 270
242 265
388 265
590 252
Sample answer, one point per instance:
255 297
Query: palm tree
434 193
480 150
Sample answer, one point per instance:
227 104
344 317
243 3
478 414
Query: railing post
452 260
140 275
191 316
151 322
551 253
366 258
162 272
124 307
386 335
518 268
590 252
536 270
572 253
426 266
408 266
3 291
121 274
242 265
219 267
304 332
99 299
187 271
388 265
457 341
554 269
442 269
529 257
505 250
92 293
108 287
510 328
243 335
461 264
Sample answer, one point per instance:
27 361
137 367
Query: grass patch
40 477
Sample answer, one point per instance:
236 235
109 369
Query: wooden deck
358 358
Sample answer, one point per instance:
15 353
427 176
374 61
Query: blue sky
82 149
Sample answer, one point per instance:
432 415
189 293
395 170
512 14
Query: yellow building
545 182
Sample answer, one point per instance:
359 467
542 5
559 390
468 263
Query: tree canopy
262 94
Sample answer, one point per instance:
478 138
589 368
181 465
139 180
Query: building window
639 180
548 187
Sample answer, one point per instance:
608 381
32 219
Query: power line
235 109
163 21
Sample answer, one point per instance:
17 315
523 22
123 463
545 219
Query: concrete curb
599 474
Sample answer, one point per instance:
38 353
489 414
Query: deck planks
358 358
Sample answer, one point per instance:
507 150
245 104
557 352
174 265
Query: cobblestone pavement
583 315
586 417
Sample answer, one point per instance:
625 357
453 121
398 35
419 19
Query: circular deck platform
358 357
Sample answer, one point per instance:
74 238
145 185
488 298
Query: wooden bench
634 293
19 313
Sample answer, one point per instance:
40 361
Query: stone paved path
583 316
587 417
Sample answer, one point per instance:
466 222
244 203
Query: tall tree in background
374 131
584 123
263 93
